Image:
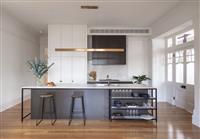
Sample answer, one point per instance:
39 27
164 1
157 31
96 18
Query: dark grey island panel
96 103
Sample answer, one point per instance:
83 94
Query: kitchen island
102 101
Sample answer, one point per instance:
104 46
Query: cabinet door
79 38
79 69
54 40
67 39
54 71
66 69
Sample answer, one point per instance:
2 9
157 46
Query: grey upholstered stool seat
77 94
52 105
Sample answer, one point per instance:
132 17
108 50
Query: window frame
173 49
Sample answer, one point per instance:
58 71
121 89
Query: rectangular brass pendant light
90 7
89 49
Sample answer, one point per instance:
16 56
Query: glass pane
169 74
169 42
190 55
179 40
190 36
192 58
190 73
179 56
170 55
188 52
185 37
188 58
179 73
169 58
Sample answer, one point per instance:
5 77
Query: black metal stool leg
83 110
78 95
42 115
54 111
71 111
50 109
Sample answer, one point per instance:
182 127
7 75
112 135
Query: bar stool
77 94
52 112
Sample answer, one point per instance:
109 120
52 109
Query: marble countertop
92 86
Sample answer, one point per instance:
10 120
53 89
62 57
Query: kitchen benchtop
110 81
92 86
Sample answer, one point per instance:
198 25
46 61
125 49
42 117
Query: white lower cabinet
72 69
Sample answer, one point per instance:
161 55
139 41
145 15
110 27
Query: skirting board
14 102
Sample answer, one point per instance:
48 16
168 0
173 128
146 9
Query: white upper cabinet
54 40
70 67
79 38
66 38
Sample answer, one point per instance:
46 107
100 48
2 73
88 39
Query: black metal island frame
113 102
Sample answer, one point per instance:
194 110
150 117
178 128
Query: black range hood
111 42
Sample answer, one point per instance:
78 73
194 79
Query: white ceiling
124 13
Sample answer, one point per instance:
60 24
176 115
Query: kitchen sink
108 80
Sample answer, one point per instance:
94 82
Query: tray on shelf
142 117
138 108
137 98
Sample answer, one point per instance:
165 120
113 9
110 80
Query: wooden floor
173 123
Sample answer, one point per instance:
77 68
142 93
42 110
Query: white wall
186 11
43 47
138 56
158 63
196 112
18 45
180 14
138 61
114 71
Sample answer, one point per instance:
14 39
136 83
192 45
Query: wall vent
119 31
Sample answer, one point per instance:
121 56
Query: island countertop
92 86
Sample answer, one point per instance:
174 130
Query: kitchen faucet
107 77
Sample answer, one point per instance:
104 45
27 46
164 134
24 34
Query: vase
41 81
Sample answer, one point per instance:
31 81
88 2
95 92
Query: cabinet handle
60 81
72 81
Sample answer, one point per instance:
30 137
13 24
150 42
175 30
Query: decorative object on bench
39 69
92 75
51 84
139 79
